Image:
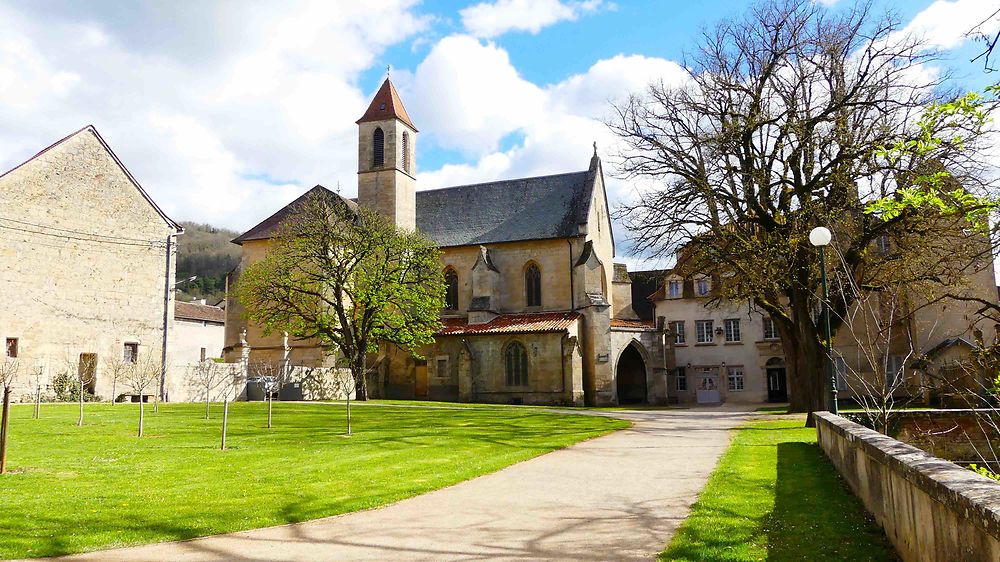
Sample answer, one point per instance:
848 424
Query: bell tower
387 143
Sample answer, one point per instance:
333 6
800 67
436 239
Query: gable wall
66 295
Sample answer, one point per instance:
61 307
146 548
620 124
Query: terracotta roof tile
197 311
386 105
623 323
511 324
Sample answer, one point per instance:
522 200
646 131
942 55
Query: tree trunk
360 390
807 357
38 401
3 429
114 382
270 401
225 421
142 417
208 405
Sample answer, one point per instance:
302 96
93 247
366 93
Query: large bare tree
790 118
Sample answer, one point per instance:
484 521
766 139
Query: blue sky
224 113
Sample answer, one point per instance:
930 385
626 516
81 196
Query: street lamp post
820 237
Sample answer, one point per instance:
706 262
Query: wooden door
777 386
420 377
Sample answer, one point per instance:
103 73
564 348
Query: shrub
984 471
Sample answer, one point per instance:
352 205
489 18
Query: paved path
618 497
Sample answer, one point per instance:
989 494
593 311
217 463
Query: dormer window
703 286
381 106
675 288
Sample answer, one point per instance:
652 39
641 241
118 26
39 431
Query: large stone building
537 311
86 264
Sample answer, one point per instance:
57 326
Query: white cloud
488 20
946 23
217 116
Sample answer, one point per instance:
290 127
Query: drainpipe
167 290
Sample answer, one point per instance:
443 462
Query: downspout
572 291
167 290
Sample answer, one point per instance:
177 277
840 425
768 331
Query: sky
226 111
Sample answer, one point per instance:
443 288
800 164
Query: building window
735 379
677 329
682 379
517 365
703 286
442 367
841 368
733 330
11 348
378 147
882 244
893 370
204 354
406 151
704 330
675 289
533 285
451 292
770 331
132 353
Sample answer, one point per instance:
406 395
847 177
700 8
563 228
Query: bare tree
208 376
268 377
115 368
38 374
989 40
345 384
229 392
141 377
86 374
8 373
783 122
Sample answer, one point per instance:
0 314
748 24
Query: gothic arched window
516 360
533 285
378 147
406 151
451 293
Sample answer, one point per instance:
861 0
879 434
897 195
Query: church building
537 311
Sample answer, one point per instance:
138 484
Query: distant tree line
206 252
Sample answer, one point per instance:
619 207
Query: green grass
76 489
775 497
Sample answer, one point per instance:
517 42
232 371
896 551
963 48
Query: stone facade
84 263
572 350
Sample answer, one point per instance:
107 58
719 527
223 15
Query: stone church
537 311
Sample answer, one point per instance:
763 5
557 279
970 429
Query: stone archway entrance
631 377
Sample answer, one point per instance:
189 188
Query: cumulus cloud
945 24
488 20
223 115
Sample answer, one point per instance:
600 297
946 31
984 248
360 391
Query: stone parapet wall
930 509
962 436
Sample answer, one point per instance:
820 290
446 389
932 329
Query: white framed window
893 370
840 366
682 379
704 330
735 379
675 289
702 286
882 244
770 330
677 329
733 330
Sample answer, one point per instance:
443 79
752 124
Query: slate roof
200 312
268 226
506 211
647 286
386 105
539 322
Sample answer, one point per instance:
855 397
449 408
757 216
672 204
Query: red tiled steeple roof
511 324
386 105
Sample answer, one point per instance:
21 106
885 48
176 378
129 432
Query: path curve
617 497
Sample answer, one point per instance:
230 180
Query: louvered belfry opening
378 147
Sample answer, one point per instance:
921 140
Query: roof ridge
503 181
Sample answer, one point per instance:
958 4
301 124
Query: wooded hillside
205 251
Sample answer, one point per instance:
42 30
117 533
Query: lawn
775 497
84 488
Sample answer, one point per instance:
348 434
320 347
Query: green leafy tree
786 120
346 278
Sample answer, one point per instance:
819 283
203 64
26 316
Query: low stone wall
961 436
931 509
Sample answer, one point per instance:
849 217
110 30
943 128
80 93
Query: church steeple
386 158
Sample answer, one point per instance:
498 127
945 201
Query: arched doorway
631 377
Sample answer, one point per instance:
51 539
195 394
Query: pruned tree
786 120
115 369
345 385
141 377
85 370
269 378
346 278
208 376
9 368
